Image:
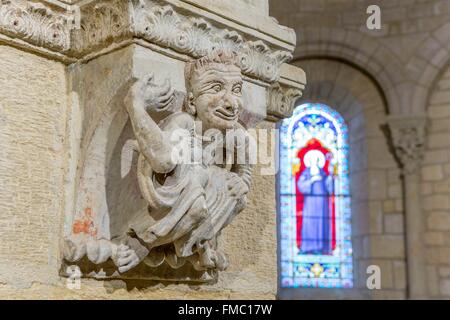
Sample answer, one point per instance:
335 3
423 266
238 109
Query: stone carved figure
190 201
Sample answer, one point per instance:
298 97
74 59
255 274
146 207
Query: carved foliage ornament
408 137
197 37
36 23
97 25
281 100
101 23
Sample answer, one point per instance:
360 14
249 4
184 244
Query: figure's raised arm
153 143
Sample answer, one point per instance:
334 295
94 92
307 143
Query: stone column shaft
414 232
408 137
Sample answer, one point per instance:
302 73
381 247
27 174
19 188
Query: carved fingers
236 186
148 93
165 95
126 258
155 96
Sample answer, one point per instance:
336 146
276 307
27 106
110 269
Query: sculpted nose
229 103
229 107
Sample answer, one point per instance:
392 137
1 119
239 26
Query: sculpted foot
74 250
98 251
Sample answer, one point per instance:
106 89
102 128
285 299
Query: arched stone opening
376 191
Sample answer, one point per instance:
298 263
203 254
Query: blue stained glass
314 200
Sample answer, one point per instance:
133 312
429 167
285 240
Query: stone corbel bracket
81 31
408 135
283 95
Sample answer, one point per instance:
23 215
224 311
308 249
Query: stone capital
71 31
408 135
282 95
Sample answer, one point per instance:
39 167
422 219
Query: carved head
214 90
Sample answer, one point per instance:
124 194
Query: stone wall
436 189
376 191
33 113
404 57
406 61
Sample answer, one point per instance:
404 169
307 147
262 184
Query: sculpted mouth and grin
229 113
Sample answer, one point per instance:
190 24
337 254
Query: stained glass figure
314 200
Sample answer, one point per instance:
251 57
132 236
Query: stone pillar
70 170
408 137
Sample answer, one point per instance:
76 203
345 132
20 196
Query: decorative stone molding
281 100
77 31
101 23
408 138
196 37
36 23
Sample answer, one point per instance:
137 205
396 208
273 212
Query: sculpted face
216 96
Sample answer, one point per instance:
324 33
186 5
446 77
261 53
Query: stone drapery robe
192 200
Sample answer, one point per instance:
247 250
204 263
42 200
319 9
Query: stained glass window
314 199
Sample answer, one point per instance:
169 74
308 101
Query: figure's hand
316 178
126 258
236 186
150 94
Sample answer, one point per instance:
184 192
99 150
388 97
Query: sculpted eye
217 87
237 89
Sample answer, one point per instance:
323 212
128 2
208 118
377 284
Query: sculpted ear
190 106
